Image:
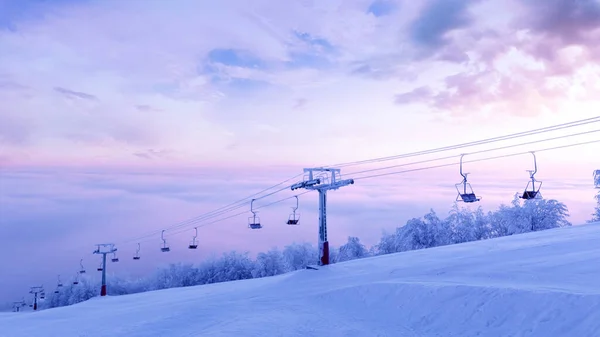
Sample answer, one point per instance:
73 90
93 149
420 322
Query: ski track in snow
536 284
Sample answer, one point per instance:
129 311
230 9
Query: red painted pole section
325 257
103 290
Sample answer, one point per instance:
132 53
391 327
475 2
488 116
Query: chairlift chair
253 221
59 282
76 278
193 244
115 258
100 266
294 218
164 248
82 270
465 192
56 291
137 253
534 191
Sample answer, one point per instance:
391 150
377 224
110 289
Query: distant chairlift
193 244
294 218
82 270
164 248
100 267
253 221
137 253
76 278
115 258
58 285
465 192
534 191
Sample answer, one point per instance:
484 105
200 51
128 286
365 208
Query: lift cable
231 216
473 143
227 208
407 171
475 152
476 160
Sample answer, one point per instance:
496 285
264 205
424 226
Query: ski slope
537 284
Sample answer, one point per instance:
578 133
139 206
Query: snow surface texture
535 284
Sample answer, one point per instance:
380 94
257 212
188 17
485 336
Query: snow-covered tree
353 249
269 264
175 275
596 214
465 225
540 214
299 255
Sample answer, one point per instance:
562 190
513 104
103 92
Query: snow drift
535 284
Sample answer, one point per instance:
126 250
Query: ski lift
42 295
82 270
164 248
100 267
59 283
533 192
294 218
76 278
56 291
137 253
193 244
115 258
253 221
467 194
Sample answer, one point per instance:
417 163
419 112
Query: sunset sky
121 118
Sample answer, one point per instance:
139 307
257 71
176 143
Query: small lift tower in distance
104 248
329 179
597 178
35 291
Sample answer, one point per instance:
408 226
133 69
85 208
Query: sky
119 119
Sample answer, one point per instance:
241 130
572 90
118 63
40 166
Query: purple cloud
436 19
71 94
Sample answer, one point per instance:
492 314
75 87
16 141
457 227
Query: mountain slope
536 284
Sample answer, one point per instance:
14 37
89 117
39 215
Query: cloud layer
121 82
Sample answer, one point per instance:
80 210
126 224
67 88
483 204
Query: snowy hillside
537 284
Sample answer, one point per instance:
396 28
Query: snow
536 284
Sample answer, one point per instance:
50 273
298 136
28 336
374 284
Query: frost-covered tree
427 232
299 255
269 264
234 266
540 214
465 225
175 275
596 214
351 250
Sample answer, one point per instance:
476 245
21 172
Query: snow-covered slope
537 284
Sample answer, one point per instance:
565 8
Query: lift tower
597 178
104 248
322 180
35 291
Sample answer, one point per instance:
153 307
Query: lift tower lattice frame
104 248
322 179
